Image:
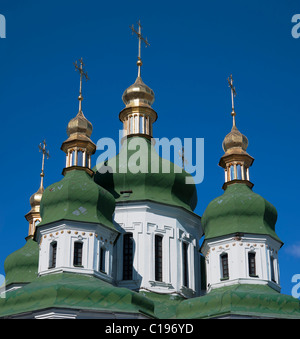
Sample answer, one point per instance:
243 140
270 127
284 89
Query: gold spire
141 38
138 115
79 147
42 148
83 74
34 217
236 161
233 95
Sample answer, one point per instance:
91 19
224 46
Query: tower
33 216
158 248
240 245
138 116
77 234
79 147
236 161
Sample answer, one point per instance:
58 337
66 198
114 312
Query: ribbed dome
80 125
138 94
22 266
155 185
235 139
76 197
239 210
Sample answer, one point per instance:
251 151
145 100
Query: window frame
128 248
78 254
158 257
53 255
224 265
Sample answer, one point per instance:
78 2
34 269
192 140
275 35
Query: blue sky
195 46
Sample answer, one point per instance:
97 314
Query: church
111 242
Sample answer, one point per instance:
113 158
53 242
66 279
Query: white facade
179 230
241 251
175 226
65 234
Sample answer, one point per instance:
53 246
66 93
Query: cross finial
183 159
43 149
83 74
141 38
233 95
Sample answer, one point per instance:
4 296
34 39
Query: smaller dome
78 198
22 266
235 139
80 125
239 210
35 199
138 94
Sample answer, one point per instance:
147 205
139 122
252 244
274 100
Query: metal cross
141 38
181 155
43 149
233 95
83 74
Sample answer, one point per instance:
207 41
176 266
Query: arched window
272 269
73 158
239 172
185 264
78 254
127 256
53 253
224 266
102 267
80 158
251 264
232 172
158 258
141 127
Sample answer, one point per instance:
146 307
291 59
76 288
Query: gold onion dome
138 94
79 125
235 141
35 200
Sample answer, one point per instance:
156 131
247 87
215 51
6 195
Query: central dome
126 184
138 94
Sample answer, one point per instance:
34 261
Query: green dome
239 210
76 197
22 265
168 188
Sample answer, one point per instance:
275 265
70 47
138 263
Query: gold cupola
34 216
79 147
236 161
138 115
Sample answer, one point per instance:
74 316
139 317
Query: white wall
175 225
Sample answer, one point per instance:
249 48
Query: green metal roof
74 291
239 210
165 304
242 300
168 188
22 265
76 197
